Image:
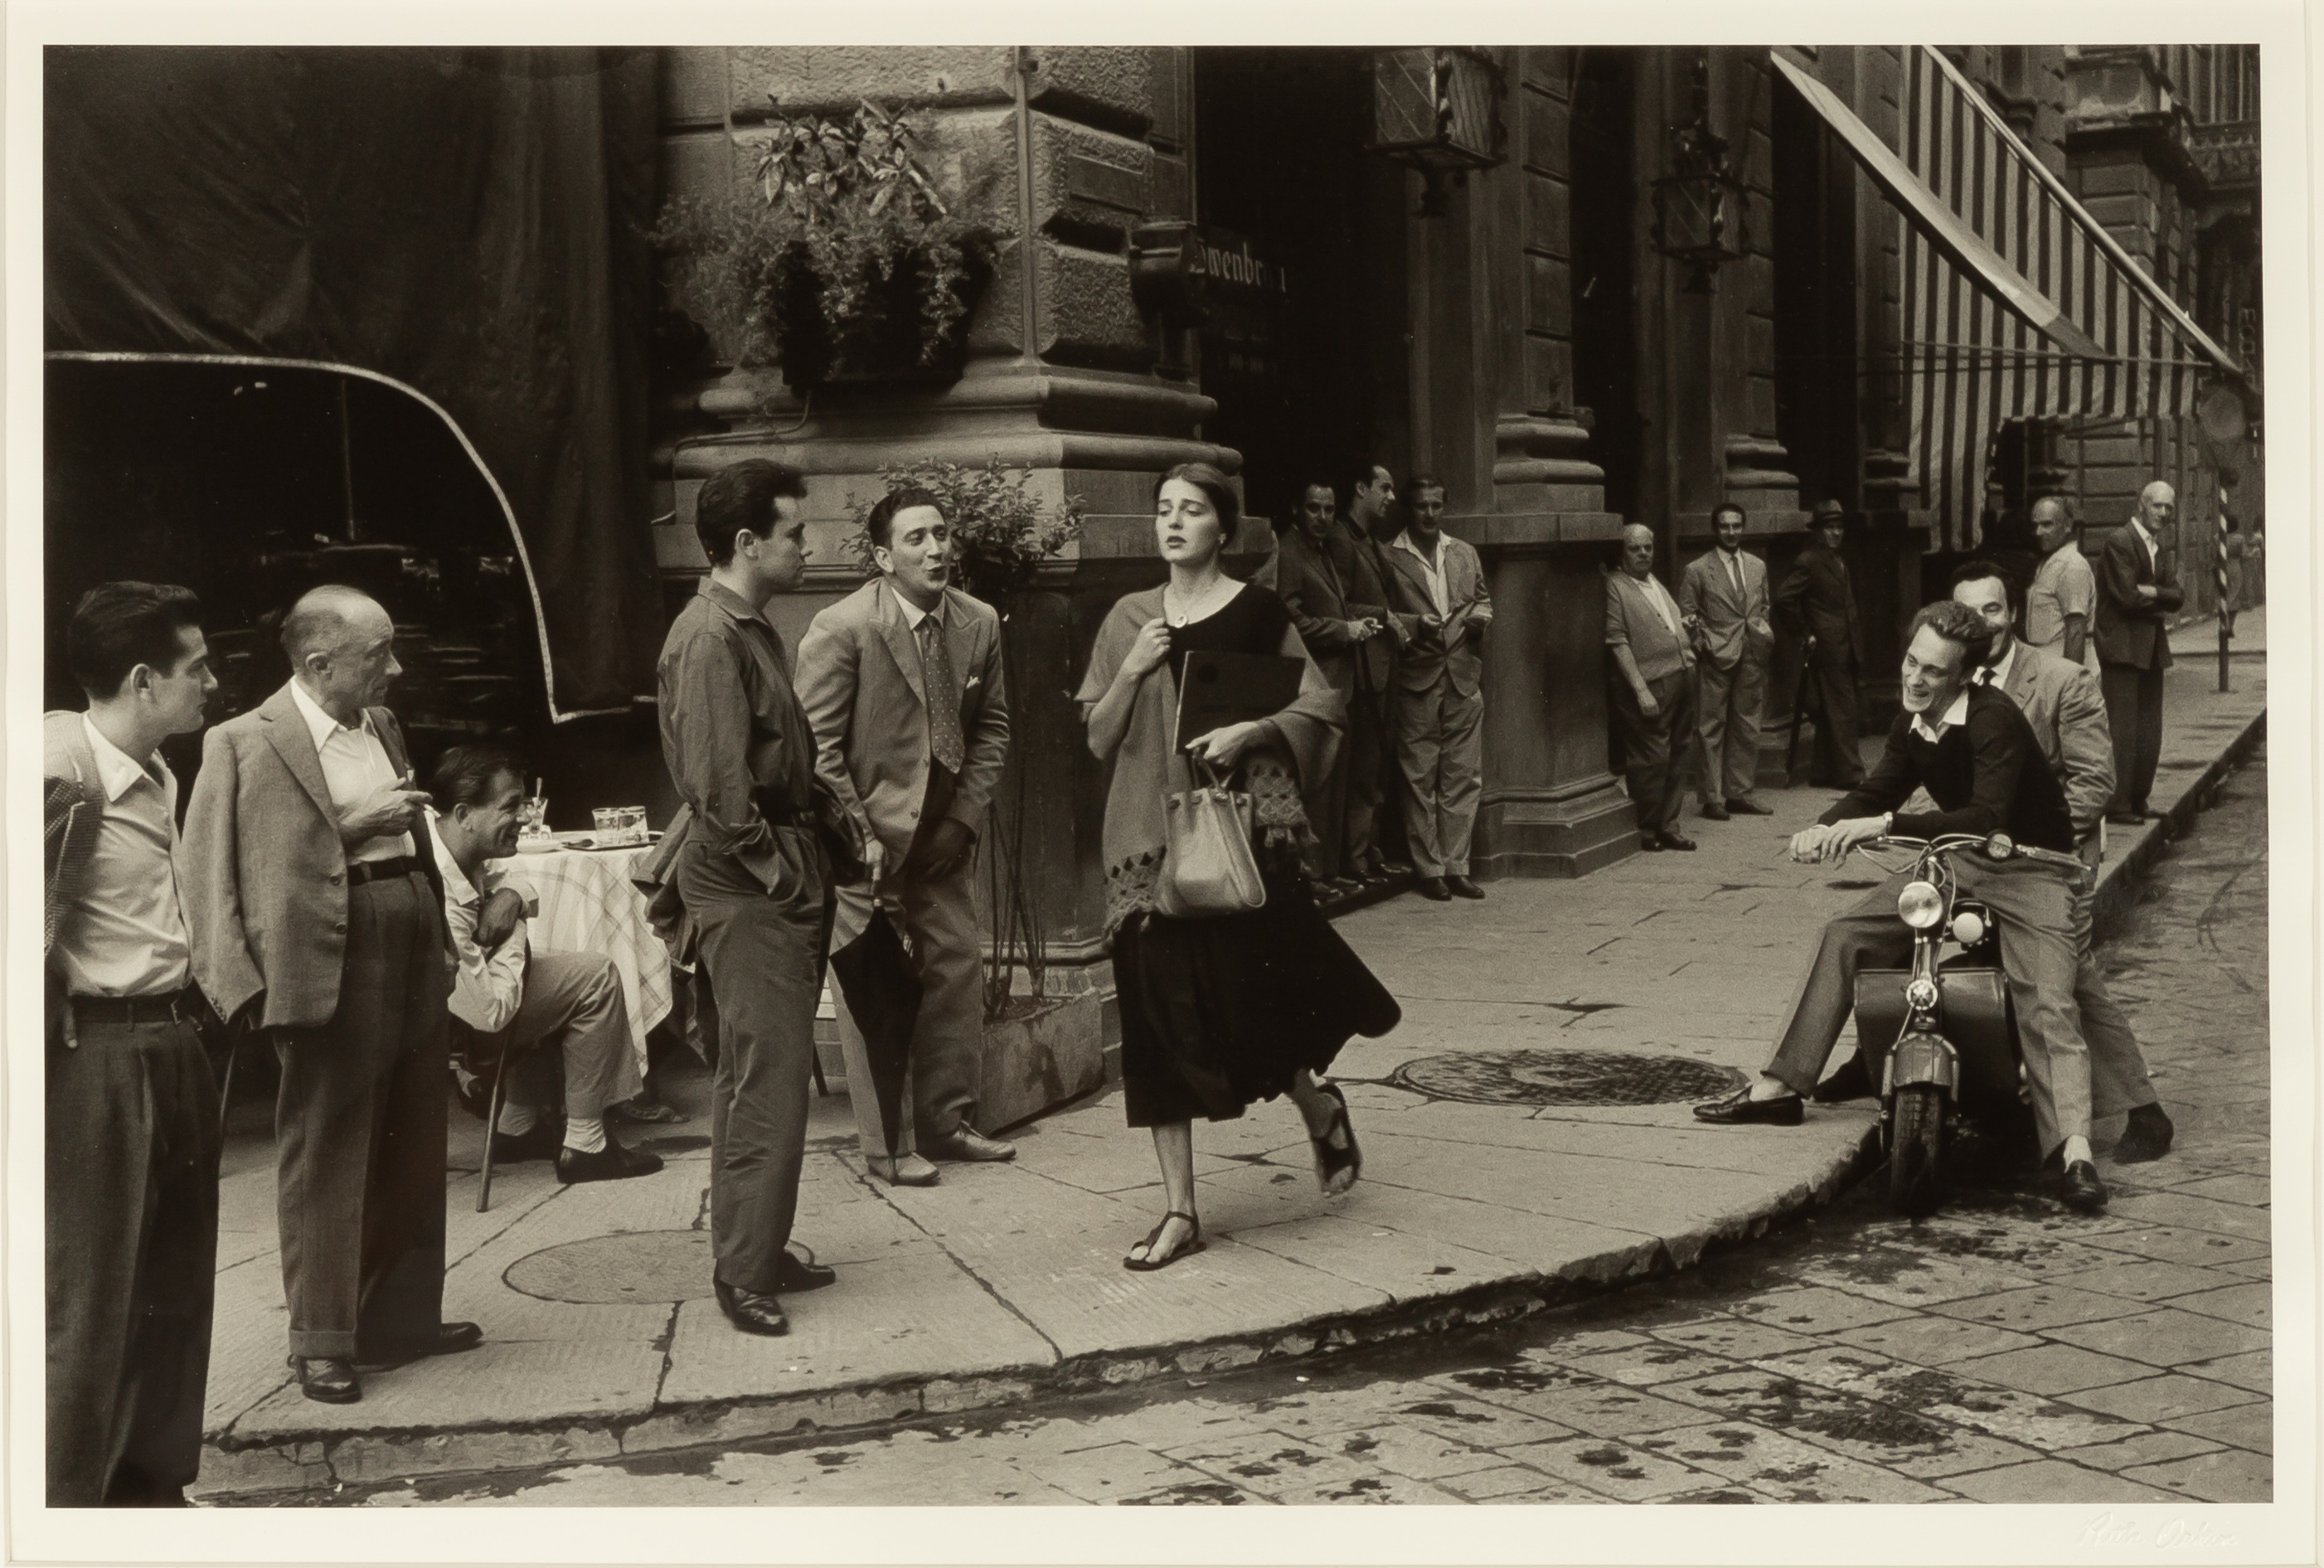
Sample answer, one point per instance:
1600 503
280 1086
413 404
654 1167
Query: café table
589 905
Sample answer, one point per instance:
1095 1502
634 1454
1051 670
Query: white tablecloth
589 905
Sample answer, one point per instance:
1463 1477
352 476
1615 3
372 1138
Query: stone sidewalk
1526 1139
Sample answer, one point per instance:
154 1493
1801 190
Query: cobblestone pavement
2003 1352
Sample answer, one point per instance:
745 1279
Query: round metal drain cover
629 1268
1564 1078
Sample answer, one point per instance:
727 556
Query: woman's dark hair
740 497
119 626
880 522
464 775
1217 487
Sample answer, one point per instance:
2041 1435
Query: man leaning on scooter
1973 750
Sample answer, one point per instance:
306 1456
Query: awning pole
2219 577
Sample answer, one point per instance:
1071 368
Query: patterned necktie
945 742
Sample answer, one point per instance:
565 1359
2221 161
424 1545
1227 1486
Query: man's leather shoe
1652 843
1738 1109
1339 887
965 1143
1744 806
1852 1081
795 1273
327 1379
902 1171
1433 890
612 1162
1677 841
1714 811
2125 819
538 1141
1397 868
2147 1136
754 1312
2079 1189
449 1339
1462 887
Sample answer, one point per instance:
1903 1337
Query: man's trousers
2032 906
1727 703
1440 750
763 954
2118 1079
2133 705
1838 761
359 1135
1654 750
1368 756
130 1259
940 927
573 1001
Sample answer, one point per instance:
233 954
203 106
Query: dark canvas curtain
468 222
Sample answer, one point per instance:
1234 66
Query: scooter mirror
2000 847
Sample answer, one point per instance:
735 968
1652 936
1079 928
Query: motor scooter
1940 1037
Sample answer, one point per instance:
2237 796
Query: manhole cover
1564 1078
632 1268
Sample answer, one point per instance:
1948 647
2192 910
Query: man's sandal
1330 1161
1149 1263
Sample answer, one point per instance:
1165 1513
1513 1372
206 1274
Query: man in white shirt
525 998
1436 585
1722 596
131 1189
2065 592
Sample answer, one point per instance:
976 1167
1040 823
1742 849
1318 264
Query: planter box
1040 1060
879 347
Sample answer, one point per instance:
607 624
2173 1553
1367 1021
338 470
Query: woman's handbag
1208 867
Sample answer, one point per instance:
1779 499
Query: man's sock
2076 1148
515 1120
1765 1087
585 1134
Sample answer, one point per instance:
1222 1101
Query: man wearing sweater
1650 677
1972 749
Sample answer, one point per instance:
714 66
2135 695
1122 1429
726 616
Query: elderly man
521 996
319 917
2065 592
1972 748
902 684
1723 598
2137 593
1438 583
1309 581
1817 603
1651 680
753 874
130 1190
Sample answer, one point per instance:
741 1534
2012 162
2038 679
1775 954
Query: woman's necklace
1204 602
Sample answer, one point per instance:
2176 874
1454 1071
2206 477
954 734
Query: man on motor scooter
1971 746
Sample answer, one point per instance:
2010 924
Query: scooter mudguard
1977 1019
1924 1058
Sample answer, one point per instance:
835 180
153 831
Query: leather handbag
1208 865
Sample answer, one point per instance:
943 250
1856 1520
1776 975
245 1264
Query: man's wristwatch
1887 823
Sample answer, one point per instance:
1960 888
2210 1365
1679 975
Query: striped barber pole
1973 363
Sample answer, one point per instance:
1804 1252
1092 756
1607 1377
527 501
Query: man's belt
372 870
184 1005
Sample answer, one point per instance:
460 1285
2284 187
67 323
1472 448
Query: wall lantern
1437 110
1700 205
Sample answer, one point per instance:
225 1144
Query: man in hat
1817 602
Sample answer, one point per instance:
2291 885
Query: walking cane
1799 710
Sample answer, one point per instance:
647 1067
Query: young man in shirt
2065 592
1439 709
1972 748
527 997
1651 679
131 1188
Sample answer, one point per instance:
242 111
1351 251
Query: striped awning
2017 303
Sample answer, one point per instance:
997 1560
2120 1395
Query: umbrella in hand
882 993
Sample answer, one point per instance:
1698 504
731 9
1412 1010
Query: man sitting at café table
523 998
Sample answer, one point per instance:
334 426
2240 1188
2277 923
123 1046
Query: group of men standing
1397 619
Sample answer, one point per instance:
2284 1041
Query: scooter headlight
1968 928
1921 906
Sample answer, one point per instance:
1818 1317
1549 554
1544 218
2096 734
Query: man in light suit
1307 580
1439 584
2137 592
1723 598
1651 677
902 684
318 917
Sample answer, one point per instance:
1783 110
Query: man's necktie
945 740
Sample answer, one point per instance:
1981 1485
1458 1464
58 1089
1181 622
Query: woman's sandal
1149 1263
1329 1161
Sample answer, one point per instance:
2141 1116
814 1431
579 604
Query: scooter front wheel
1916 1148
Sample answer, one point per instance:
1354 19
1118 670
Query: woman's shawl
1297 751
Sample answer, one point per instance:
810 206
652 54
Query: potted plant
851 269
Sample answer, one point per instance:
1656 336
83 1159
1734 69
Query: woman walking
1218 1011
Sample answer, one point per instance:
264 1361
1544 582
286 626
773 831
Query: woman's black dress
1221 1011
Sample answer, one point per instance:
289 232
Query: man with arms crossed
318 917
2137 593
751 874
1309 580
903 684
131 1189
1439 584
1973 750
1723 598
